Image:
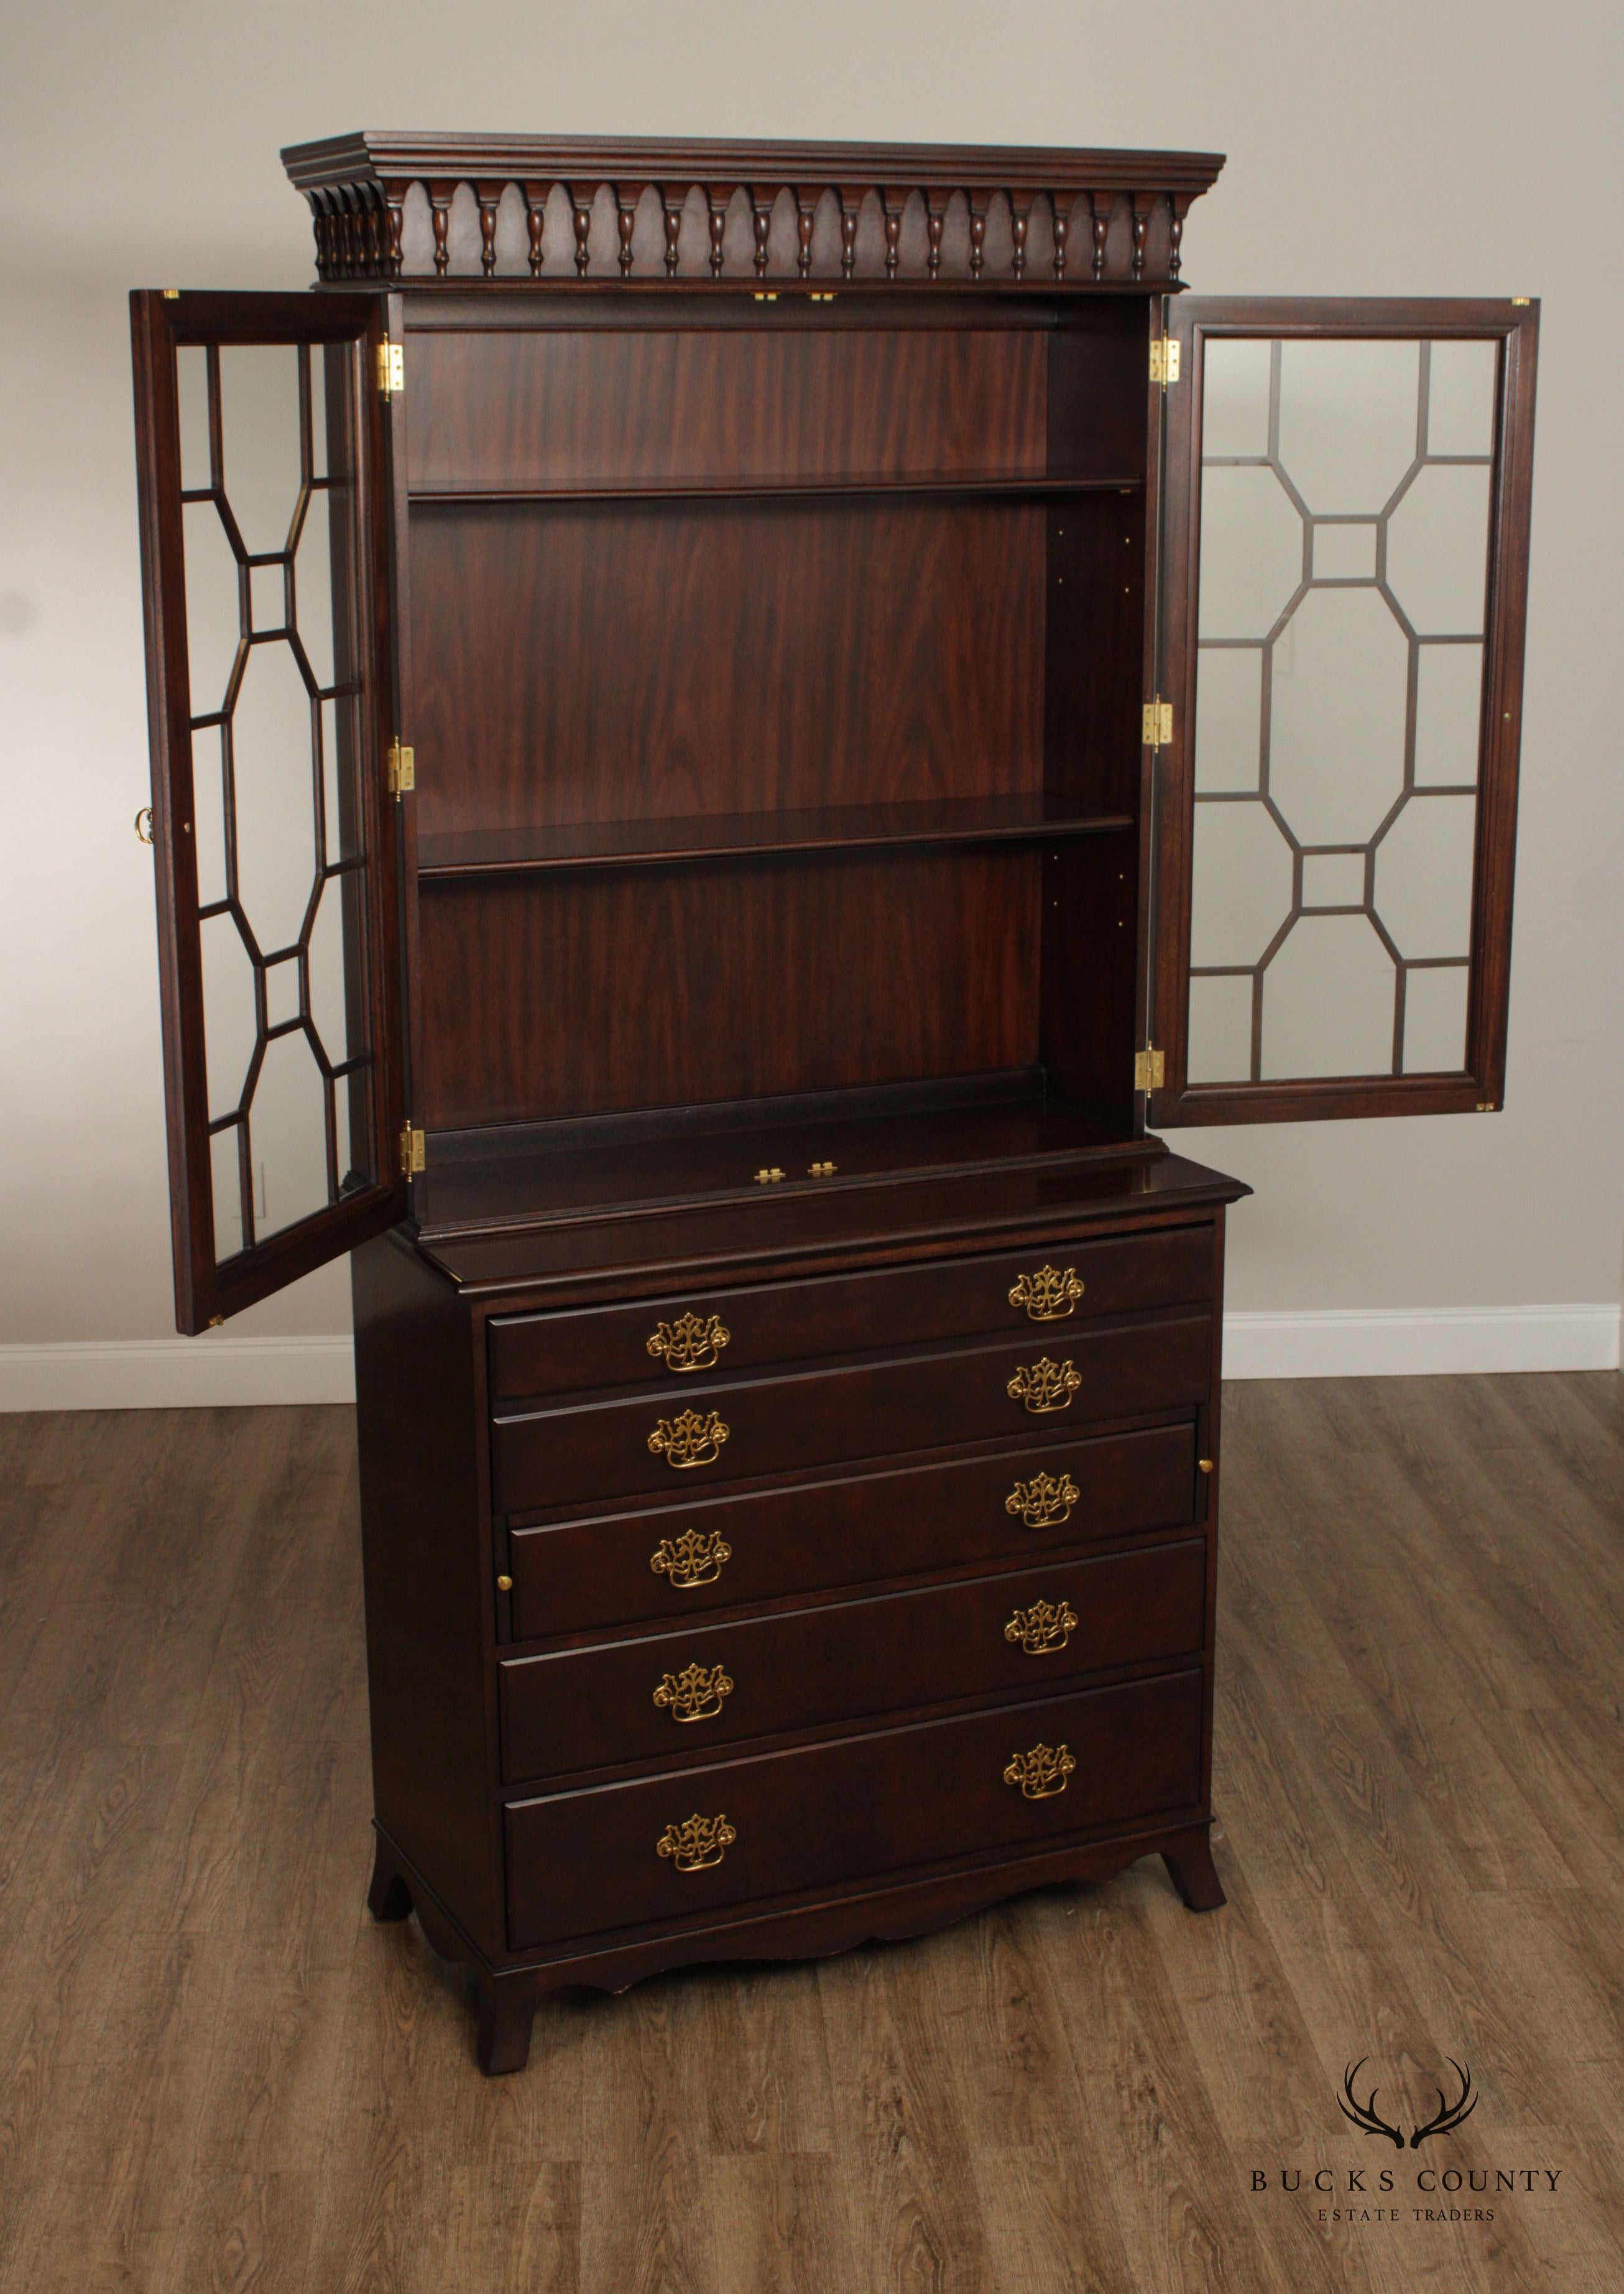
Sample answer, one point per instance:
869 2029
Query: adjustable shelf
836 488
707 836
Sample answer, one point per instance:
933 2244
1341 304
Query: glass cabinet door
260 450
1346 518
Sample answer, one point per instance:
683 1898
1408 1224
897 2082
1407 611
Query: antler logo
1366 2117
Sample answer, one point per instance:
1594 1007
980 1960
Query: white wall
1454 147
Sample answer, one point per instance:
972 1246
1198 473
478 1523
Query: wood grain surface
216 2072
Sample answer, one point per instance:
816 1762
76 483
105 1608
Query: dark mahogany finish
858 1408
854 1809
571 210
843 1530
767 553
794 1321
596 1707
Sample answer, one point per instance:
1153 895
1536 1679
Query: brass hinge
1163 360
391 367
1149 1069
402 769
411 1150
1157 724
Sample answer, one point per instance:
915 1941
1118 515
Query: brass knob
1206 1465
504 1584
145 834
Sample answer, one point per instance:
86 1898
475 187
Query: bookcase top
389 206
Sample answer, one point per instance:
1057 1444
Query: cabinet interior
776 673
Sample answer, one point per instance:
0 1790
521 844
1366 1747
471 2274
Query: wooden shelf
709 836
521 1175
837 487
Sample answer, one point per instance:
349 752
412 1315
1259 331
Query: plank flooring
216 2073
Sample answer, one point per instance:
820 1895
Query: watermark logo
1448 2115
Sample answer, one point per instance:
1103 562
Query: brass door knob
504 1584
145 834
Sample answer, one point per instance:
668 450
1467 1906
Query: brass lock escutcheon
1048 1296
693 1558
1043 1628
693 1693
692 1342
697 1842
1043 1503
688 1439
1042 1772
1044 1386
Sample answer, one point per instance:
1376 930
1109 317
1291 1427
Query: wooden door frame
1481 1085
208 1289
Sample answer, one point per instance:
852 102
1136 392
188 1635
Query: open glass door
259 443
1344 564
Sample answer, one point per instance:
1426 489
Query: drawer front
680 1437
673 1563
666 1848
636 1700
738 1330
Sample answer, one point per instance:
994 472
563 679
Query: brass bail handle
144 833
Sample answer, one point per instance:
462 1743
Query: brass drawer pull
1046 1386
1042 1772
1048 1296
1043 1628
693 1558
692 1342
697 1842
1043 1503
688 1440
695 1693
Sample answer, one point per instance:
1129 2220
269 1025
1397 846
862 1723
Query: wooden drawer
586 1862
637 1700
845 1314
671 1563
733 1429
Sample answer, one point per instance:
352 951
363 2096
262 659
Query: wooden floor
217 2074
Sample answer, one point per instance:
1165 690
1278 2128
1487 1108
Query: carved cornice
561 211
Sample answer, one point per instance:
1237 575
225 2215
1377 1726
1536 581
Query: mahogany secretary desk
736 727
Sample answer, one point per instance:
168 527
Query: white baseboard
213 1372
1420 1341
219 1371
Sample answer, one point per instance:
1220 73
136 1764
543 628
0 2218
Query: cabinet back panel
610 662
517 410
616 989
